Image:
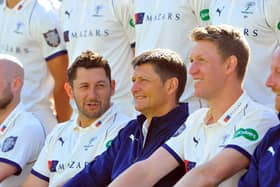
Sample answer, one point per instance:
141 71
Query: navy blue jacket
264 169
127 148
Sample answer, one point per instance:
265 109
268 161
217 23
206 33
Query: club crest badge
9 143
52 38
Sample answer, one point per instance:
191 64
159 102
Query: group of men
228 129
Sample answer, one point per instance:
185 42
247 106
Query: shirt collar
9 121
235 109
19 6
108 115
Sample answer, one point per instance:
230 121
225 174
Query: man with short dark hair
158 81
73 144
218 141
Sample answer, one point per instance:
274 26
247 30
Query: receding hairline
13 66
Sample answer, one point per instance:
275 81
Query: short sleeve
124 10
175 145
46 29
18 147
250 131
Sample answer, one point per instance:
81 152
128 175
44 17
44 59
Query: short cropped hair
88 60
167 64
229 42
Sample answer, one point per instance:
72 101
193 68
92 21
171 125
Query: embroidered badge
52 38
9 143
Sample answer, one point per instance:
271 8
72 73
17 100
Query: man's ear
113 87
231 64
172 85
68 90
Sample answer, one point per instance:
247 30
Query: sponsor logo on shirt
142 17
204 15
89 33
131 22
61 166
271 150
132 137
189 165
196 141
249 134
14 49
68 13
60 139
52 165
9 144
19 28
248 9
250 32
90 144
52 38
97 11
220 10
3 128
66 36
109 143
139 17
228 116
56 165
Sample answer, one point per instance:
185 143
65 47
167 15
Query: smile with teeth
139 97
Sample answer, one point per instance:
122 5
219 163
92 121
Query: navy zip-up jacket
127 148
264 169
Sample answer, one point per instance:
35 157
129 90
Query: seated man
218 141
18 150
158 81
73 144
264 169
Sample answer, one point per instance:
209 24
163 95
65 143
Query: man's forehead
8 59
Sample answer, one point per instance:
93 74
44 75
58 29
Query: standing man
166 24
105 27
218 141
158 81
18 150
259 22
30 31
264 167
73 144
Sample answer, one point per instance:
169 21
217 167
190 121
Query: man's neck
219 106
12 3
4 113
149 117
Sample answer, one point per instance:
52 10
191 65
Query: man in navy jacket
264 169
158 81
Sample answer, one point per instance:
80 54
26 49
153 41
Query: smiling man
218 141
73 144
158 81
